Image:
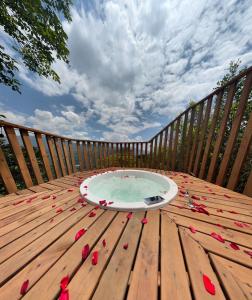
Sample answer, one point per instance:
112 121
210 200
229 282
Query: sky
134 65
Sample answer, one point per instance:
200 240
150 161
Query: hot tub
129 190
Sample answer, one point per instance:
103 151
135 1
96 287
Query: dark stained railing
211 140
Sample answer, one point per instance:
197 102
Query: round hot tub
129 190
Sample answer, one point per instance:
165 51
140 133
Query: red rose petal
97 207
64 295
110 202
234 246
53 206
219 210
182 191
195 197
227 196
248 252
217 237
125 246
64 282
83 204
202 210
129 215
70 190
193 230
92 214
85 186
95 258
209 286
59 210
80 234
104 243
85 252
45 197
203 197
24 287
239 224
81 200
144 221
219 225
54 197
102 202
73 209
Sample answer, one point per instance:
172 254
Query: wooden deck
164 259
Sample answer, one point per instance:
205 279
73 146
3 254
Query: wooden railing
211 140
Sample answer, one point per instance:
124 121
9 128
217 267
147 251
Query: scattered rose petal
110 202
97 207
195 197
209 286
104 243
64 295
59 210
203 197
144 221
92 214
64 282
102 202
248 252
233 212
53 205
219 225
129 215
45 197
81 200
202 210
193 230
125 246
73 209
227 196
54 197
80 233
24 287
217 237
234 246
238 224
95 258
16 203
182 191
219 210
85 186
83 204
70 190
85 252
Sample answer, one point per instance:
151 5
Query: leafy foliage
37 36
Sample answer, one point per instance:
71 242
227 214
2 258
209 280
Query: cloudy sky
134 65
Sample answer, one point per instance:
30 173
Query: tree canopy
37 37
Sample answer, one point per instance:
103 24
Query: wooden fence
211 140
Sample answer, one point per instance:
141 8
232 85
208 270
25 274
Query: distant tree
37 36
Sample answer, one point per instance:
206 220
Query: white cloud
130 59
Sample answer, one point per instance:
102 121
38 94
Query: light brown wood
66 156
202 136
51 147
58 145
6 175
12 138
241 155
80 158
169 159
174 280
189 139
234 130
31 154
73 163
198 264
221 132
145 273
183 142
85 153
174 152
248 187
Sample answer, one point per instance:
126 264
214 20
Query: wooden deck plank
236 279
174 278
70 261
198 264
33 248
121 262
144 281
41 264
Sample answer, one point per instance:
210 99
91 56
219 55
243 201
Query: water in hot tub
127 188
